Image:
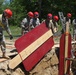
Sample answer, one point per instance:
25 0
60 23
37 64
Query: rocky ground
47 66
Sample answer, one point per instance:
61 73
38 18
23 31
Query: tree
20 8
1 3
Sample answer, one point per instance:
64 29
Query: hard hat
69 15
30 14
49 15
56 18
36 13
8 12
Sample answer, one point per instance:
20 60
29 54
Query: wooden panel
28 43
35 57
62 53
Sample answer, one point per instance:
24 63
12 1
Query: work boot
4 56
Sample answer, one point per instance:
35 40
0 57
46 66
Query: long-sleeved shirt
27 24
4 24
36 22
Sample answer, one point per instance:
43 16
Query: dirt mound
47 66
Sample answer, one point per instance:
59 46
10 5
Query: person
26 23
74 29
36 20
49 22
67 18
7 13
55 20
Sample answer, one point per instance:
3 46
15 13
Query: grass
16 32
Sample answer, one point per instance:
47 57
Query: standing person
74 29
26 23
4 26
55 20
36 20
67 18
49 22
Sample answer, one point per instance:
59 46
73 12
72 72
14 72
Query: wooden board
36 38
35 57
64 65
61 54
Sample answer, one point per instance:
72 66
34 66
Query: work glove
11 37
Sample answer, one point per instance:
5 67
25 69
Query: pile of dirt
47 66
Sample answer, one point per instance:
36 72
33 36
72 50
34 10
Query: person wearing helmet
55 20
67 19
49 22
36 20
26 23
4 26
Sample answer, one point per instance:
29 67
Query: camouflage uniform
4 26
55 26
26 25
50 25
36 22
65 20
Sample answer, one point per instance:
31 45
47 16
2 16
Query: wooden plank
28 50
36 56
61 55
67 50
27 39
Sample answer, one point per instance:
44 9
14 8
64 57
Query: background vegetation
20 8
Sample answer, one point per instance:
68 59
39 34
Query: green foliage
20 8
1 2
15 30
18 12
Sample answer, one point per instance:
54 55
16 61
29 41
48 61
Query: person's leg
3 47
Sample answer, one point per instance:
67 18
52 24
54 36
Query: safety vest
1 21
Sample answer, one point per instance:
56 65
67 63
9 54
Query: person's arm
38 22
8 29
23 23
